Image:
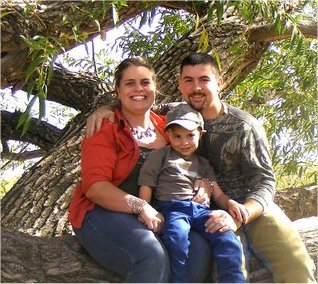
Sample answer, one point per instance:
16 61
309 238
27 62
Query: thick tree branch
34 259
76 90
41 134
268 33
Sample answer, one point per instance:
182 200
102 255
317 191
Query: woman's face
136 90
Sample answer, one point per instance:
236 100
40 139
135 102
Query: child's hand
238 211
202 189
151 218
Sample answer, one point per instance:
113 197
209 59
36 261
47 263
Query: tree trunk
39 259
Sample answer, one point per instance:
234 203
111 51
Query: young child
168 175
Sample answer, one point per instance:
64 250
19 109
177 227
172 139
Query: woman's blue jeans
121 243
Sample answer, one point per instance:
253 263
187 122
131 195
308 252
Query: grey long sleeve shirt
237 148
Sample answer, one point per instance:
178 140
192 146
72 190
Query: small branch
23 156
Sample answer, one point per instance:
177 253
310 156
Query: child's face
184 141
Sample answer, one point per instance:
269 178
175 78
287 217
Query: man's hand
221 221
94 121
151 218
202 191
238 211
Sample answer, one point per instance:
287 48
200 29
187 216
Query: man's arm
94 121
256 165
162 109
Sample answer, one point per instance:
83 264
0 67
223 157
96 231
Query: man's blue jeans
227 250
121 243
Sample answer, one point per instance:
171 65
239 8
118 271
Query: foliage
6 184
283 93
97 63
288 180
164 28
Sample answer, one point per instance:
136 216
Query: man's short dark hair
200 58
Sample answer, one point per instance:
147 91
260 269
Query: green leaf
26 125
299 44
24 116
49 75
42 98
143 19
115 14
197 22
219 11
277 24
217 58
3 14
26 40
22 119
33 66
203 40
210 11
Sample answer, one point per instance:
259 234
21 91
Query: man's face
199 86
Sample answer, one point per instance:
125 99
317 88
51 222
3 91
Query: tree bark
61 260
41 134
300 202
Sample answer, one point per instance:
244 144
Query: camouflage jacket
237 148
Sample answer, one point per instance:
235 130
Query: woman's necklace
139 133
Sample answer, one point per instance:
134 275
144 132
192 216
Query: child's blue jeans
226 248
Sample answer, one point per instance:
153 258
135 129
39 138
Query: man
237 148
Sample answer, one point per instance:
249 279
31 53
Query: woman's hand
221 221
151 218
94 121
203 191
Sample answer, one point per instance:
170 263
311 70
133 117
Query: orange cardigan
110 155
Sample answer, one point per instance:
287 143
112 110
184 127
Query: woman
105 213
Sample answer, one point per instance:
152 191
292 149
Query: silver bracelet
136 204
210 182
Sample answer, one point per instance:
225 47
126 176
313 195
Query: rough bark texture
298 202
33 259
40 133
